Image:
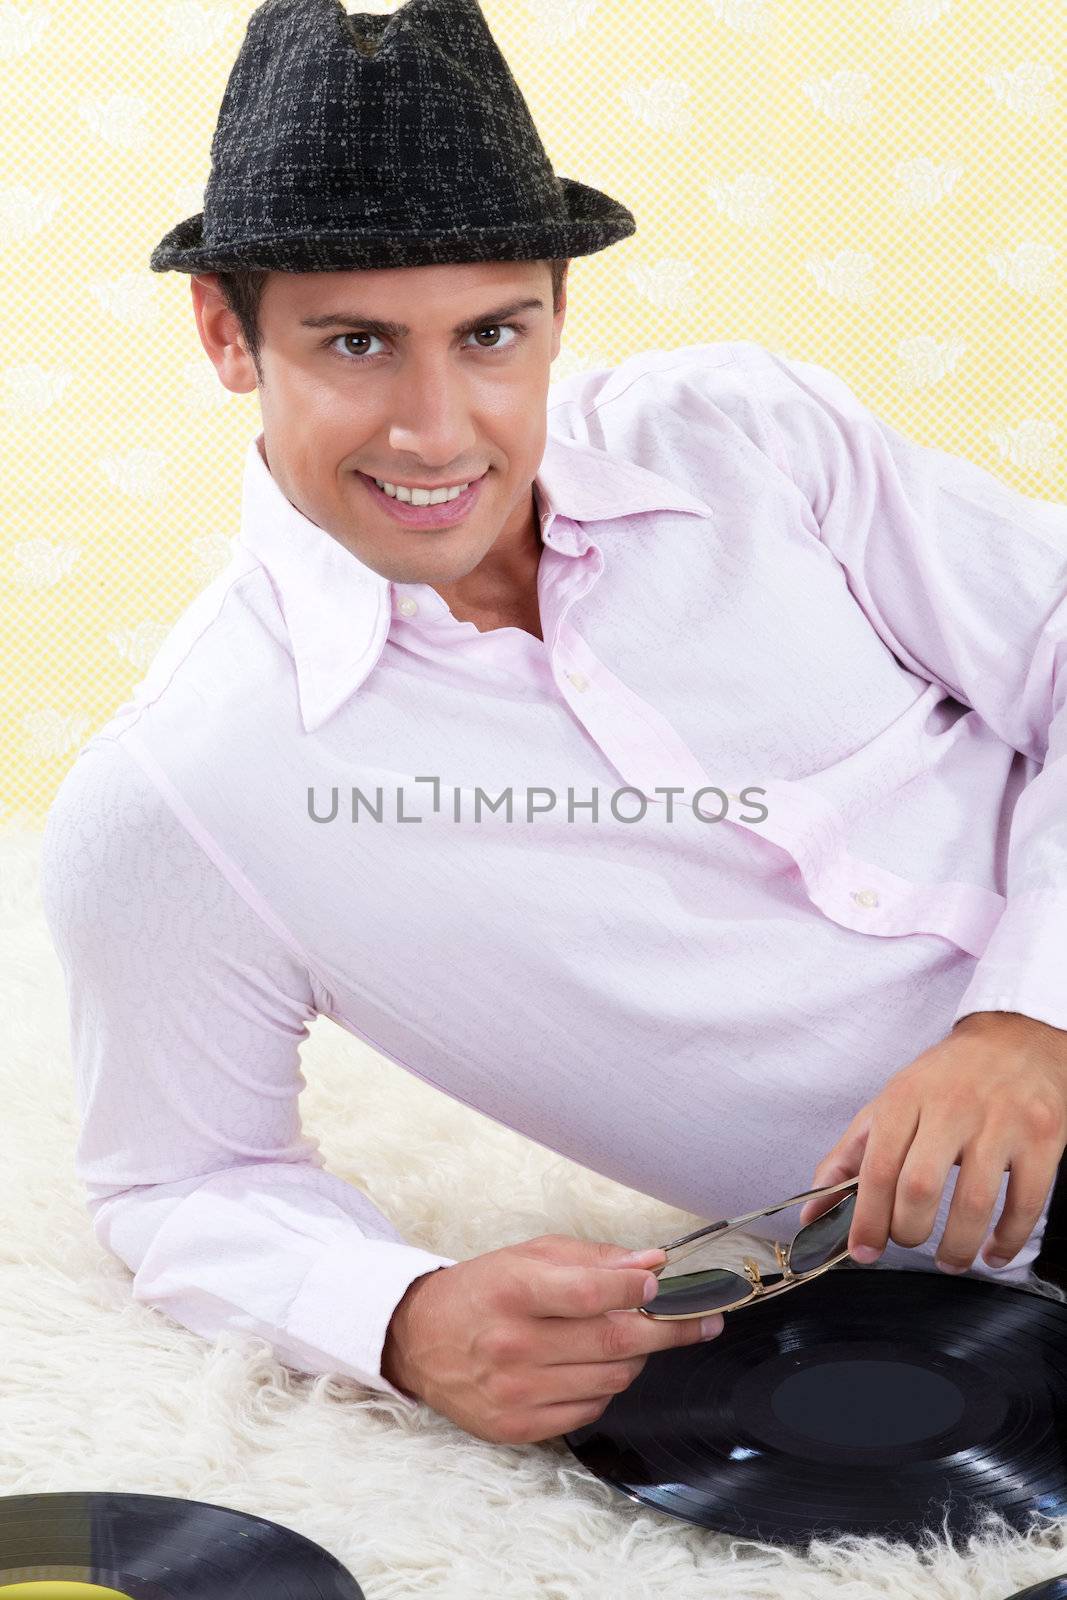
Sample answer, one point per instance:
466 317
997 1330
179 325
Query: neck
501 591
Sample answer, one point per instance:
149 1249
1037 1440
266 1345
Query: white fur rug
99 1393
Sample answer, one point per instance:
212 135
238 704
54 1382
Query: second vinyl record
157 1547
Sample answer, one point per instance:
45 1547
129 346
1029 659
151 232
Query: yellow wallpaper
876 185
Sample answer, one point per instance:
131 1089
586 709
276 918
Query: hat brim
594 222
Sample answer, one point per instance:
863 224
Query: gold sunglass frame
759 1290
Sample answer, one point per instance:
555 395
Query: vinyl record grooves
154 1547
867 1401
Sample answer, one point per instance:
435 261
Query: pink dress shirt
760 604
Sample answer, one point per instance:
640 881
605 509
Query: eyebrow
400 330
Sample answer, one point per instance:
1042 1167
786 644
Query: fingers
918 1189
522 1388
1032 1176
887 1145
585 1389
618 1336
620 1343
970 1213
549 1422
558 1290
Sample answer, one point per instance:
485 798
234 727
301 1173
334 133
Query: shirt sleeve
965 579
186 1016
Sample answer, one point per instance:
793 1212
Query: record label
58 1589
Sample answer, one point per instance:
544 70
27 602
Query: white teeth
421 497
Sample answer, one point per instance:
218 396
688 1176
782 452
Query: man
687 782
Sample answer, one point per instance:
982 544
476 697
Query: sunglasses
710 1282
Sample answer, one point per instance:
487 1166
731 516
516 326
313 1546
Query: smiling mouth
443 514
460 484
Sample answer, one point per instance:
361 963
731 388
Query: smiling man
686 794
452 412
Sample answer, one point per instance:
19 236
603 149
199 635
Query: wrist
394 1366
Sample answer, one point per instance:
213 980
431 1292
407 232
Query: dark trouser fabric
1051 1263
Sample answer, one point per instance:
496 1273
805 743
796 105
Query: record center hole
873 1404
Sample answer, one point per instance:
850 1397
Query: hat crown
368 28
374 121
383 139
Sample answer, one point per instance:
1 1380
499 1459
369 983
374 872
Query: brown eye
340 349
515 329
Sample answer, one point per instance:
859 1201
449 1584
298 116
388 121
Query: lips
439 516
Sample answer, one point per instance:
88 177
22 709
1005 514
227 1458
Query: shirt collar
338 611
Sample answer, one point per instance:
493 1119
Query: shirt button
578 680
865 897
408 606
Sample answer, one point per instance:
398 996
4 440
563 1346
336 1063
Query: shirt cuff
347 1298
1024 966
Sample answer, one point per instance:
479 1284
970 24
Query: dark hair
242 291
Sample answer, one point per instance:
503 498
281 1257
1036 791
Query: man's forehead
311 290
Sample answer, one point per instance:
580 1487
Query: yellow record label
58 1589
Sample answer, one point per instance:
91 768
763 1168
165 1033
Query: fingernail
651 1290
997 1261
865 1254
711 1327
946 1267
642 1258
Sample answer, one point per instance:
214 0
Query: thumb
843 1161
823 1176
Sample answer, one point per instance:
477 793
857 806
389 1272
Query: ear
220 335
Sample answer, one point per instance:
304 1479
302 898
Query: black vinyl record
153 1547
868 1401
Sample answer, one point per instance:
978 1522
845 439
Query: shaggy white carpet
99 1393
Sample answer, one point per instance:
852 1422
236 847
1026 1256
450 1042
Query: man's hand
990 1097
531 1341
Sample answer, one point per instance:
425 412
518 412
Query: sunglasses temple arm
717 1227
701 1233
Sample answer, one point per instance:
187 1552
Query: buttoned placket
648 754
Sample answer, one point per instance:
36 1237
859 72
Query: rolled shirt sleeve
186 1016
965 580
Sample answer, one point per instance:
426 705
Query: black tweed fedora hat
380 140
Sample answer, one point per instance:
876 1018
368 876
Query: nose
432 422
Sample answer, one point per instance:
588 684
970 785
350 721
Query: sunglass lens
709 1290
824 1238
